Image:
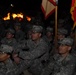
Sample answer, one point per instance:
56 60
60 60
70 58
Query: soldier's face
9 35
49 34
64 49
60 37
35 36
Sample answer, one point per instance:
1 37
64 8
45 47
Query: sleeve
69 69
2 72
48 69
21 35
35 53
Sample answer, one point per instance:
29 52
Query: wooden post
75 38
56 12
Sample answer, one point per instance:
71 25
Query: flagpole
56 8
73 13
75 38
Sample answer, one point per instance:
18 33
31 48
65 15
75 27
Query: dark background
27 6
30 6
33 7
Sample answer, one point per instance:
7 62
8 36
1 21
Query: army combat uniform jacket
37 53
61 66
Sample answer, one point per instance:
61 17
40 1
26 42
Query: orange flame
7 17
14 15
28 18
19 15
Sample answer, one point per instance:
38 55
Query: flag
48 7
73 12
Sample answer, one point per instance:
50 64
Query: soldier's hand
17 60
4 57
14 55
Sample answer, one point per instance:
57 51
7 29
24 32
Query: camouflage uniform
62 33
19 35
61 65
8 46
38 54
49 40
10 42
7 66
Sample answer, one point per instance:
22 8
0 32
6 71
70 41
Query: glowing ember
28 18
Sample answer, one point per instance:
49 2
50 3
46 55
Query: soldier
9 38
6 64
37 54
19 34
62 63
49 37
29 34
61 34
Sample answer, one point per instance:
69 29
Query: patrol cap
66 41
6 48
37 29
49 29
62 31
10 31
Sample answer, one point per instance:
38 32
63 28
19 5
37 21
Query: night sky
20 5
64 5
30 6
27 4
